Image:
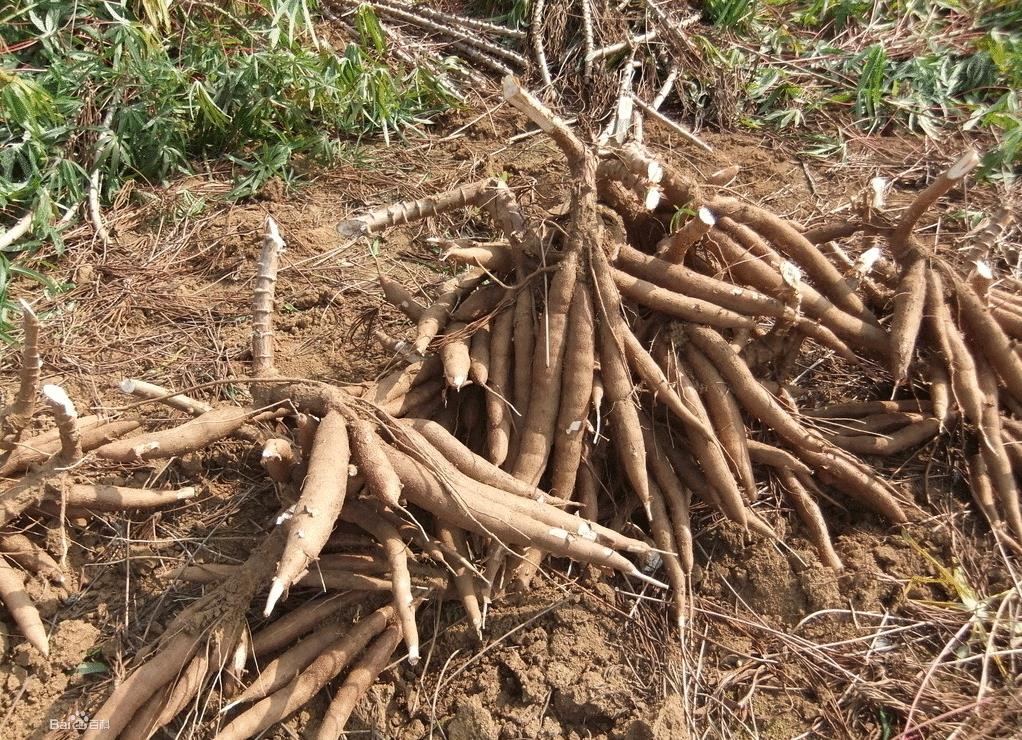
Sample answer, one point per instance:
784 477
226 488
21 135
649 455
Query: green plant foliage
931 66
144 89
733 14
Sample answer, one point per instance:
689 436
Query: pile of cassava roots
567 393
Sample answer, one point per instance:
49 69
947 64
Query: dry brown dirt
777 645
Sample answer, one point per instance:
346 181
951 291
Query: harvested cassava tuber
318 507
188 437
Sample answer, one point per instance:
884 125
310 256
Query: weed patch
93 94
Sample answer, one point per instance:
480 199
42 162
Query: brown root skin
372 463
492 257
571 417
677 496
464 581
536 439
783 234
987 335
391 388
293 625
481 302
998 463
438 314
479 356
321 578
30 556
677 305
184 690
305 685
278 459
120 498
397 558
940 390
472 490
809 512
290 664
319 505
748 269
684 280
217 617
524 337
624 418
579 363
498 414
423 395
682 406
214 620
726 417
708 451
869 425
454 354
37 449
905 438
358 682
764 454
854 478
469 463
483 516
951 346
540 356
94 432
909 300
188 437
20 606
857 409
143 683
982 489
30 490
396 295
663 536
831 232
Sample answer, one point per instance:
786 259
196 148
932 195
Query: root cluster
570 393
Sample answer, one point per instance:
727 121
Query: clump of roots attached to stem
570 393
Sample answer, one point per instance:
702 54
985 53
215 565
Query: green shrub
142 90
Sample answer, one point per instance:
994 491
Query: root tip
276 591
648 579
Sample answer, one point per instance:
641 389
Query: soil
581 656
